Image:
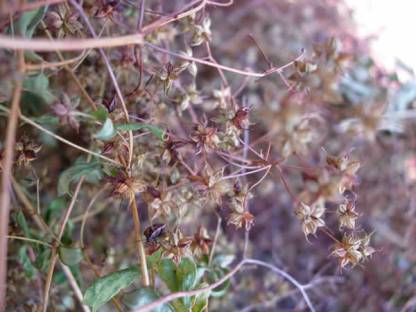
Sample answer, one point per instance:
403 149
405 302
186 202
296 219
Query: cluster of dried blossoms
204 163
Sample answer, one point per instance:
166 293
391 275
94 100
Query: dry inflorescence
188 124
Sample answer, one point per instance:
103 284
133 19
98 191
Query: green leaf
215 275
28 21
55 208
223 261
21 220
38 86
167 272
24 259
100 114
154 259
42 260
70 256
142 296
107 131
47 120
186 274
156 131
106 287
200 303
178 278
91 171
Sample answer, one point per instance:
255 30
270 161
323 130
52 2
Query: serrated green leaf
38 86
91 171
142 296
107 131
156 131
106 287
70 256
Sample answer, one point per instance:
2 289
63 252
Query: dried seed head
347 216
352 250
311 216
245 219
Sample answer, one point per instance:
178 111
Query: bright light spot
392 24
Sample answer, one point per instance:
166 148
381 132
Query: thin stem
139 242
47 65
236 175
185 11
112 76
182 294
72 281
214 244
7 165
286 276
71 71
45 45
59 138
31 240
219 66
54 256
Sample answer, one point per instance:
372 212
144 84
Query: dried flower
347 215
311 216
201 242
65 111
348 251
177 246
245 219
26 151
201 33
126 186
352 250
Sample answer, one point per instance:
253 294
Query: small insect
153 235
240 119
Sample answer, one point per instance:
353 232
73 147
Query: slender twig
223 67
47 65
7 165
45 45
31 240
214 244
141 250
59 138
139 242
71 71
30 209
86 215
183 294
54 256
111 73
286 276
44 227
184 12
74 285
